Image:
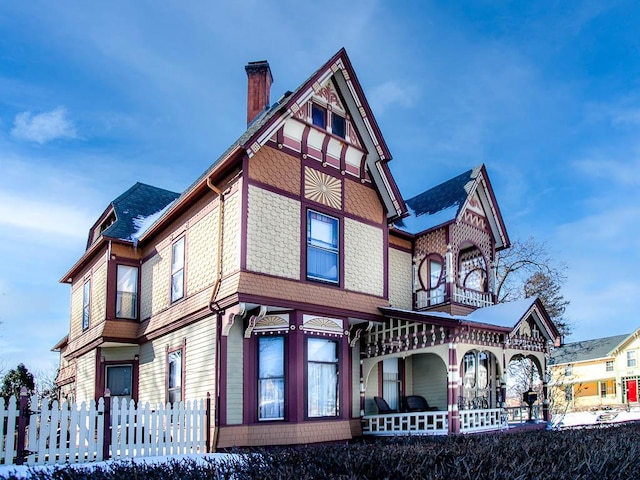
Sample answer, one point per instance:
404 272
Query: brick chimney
260 80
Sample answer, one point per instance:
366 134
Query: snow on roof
502 314
142 223
416 223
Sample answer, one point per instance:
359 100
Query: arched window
432 278
472 270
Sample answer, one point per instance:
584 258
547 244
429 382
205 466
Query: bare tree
548 290
519 262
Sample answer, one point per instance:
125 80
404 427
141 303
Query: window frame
632 360
86 304
568 370
178 271
343 119
136 293
169 389
333 250
282 402
609 366
111 365
323 388
322 113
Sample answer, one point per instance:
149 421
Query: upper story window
318 116
431 275
472 271
338 125
322 377
127 292
271 378
323 118
323 250
177 270
609 366
86 304
631 358
174 376
568 370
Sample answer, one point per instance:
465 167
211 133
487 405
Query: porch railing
521 414
482 420
413 423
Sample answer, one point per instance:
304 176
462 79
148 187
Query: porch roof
446 319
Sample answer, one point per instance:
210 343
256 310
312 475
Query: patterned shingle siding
362 201
99 295
400 275
199 358
202 248
363 258
273 234
231 232
275 168
86 377
156 283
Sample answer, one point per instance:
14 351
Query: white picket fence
94 431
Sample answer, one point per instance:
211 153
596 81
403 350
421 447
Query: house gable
359 152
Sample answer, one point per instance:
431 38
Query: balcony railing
461 295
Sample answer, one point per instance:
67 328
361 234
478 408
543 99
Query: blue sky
95 96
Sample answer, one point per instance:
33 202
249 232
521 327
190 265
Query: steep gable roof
586 350
445 203
133 206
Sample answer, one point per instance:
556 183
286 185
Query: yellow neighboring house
596 373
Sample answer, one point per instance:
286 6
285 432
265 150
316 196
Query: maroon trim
98 388
250 367
279 138
112 285
296 387
400 248
304 147
489 189
380 379
443 269
385 262
245 214
102 371
327 310
325 144
394 187
363 166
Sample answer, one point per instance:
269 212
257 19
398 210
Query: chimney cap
258 67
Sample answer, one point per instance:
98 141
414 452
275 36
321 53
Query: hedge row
598 453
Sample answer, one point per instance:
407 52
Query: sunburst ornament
322 188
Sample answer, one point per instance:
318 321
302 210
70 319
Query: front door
632 391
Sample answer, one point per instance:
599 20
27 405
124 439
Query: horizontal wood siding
235 398
86 377
430 379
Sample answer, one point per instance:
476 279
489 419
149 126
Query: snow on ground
22 471
599 417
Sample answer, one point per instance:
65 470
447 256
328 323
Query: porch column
503 391
362 389
453 390
545 402
449 273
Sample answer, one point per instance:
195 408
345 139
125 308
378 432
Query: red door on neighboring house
632 391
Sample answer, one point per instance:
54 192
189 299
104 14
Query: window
472 270
177 270
568 393
322 247
391 382
322 377
338 125
119 380
431 276
631 358
270 378
318 116
174 376
609 366
86 304
607 388
568 370
127 292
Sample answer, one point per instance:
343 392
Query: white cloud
43 127
391 93
20 212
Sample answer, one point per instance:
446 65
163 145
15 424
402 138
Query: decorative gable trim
314 324
339 71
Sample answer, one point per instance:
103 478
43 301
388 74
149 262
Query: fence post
208 422
22 426
106 428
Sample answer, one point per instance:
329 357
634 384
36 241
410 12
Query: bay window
127 292
271 378
322 378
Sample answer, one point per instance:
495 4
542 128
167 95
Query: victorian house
293 283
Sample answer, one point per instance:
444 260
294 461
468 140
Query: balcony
460 295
